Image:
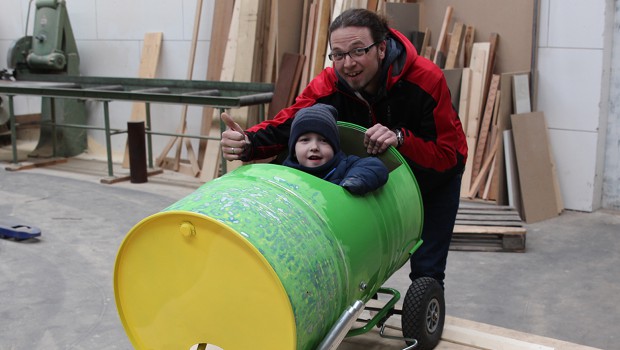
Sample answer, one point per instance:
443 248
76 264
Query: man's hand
379 138
234 141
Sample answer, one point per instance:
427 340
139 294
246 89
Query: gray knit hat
319 118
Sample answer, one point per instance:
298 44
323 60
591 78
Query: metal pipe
149 138
54 131
106 117
13 129
341 327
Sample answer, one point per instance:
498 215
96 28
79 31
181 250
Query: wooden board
441 40
454 77
213 159
521 94
479 60
309 44
456 44
320 38
512 174
223 11
468 44
464 97
531 143
287 83
485 127
149 60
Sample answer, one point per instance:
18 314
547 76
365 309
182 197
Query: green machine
52 50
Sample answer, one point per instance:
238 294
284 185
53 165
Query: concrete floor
57 290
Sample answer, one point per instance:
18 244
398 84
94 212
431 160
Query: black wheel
424 313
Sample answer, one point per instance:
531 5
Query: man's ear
382 48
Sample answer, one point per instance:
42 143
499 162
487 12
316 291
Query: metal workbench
216 94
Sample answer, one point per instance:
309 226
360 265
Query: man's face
360 72
313 150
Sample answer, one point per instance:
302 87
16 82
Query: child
314 147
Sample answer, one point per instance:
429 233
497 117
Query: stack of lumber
509 152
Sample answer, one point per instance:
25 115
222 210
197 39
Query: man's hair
359 17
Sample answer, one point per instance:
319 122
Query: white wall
571 58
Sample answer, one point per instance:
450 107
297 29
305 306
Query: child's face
313 150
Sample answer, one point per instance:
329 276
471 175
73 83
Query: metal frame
216 94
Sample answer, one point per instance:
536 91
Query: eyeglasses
359 52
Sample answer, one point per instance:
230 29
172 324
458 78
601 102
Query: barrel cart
268 257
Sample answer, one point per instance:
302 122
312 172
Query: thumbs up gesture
234 142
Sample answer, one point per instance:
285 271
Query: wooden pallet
488 227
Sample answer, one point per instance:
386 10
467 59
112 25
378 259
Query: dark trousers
440 208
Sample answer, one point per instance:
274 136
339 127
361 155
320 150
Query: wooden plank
454 77
478 65
484 127
483 340
149 60
503 123
34 163
492 190
489 230
190 70
212 163
337 8
320 38
493 43
442 35
306 70
535 168
270 62
427 39
485 167
468 45
372 5
489 221
456 43
464 97
222 17
521 94
290 14
511 212
288 81
512 175
246 40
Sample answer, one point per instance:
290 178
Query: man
378 81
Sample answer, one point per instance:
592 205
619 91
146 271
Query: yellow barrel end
175 275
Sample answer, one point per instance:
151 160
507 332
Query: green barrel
326 247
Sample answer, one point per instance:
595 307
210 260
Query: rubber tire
423 313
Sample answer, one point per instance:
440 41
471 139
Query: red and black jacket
415 98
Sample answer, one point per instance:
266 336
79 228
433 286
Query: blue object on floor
19 232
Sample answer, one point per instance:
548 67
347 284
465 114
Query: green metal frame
383 314
217 94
